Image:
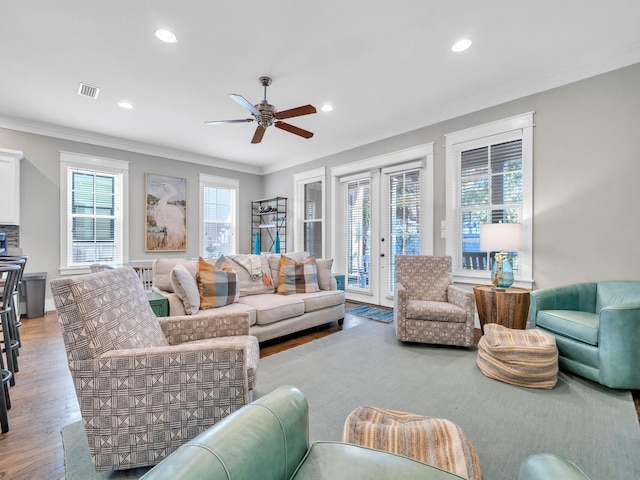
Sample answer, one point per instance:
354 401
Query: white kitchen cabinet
10 186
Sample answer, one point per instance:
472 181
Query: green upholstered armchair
597 329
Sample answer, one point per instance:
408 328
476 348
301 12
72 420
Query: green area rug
374 313
595 427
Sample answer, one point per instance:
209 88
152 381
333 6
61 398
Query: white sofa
271 315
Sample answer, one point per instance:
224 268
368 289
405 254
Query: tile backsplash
13 235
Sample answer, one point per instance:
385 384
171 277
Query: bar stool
20 260
5 401
10 272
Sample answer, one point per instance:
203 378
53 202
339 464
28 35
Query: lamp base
502 274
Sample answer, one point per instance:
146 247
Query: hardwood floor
43 399
42 402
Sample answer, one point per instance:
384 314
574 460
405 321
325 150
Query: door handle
382 254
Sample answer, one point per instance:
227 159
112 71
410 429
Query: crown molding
83 136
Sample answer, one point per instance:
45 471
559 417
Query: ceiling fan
266 115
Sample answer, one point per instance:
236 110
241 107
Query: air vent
88 91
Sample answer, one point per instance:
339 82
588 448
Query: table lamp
501 237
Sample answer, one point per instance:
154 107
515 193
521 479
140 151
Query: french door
381 219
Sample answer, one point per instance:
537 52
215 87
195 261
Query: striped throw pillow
297 277
217 283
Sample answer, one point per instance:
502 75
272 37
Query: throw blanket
253 265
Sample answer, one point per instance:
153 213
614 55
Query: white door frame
423 153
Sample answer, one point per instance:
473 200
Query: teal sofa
268 440
597 329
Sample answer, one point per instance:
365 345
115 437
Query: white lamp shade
496 237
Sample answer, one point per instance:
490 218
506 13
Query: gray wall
40 197
586 223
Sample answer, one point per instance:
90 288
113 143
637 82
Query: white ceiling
386 66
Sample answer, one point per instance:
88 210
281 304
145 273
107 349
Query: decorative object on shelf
276 244
256 244
269 225
166 214
501 237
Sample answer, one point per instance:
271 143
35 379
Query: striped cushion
436 441
217 284
527 358
297 277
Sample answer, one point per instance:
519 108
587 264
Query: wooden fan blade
257 137
245 103
221 122
296 112
291 129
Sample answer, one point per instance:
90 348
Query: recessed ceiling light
166 36
327 108
461 45
125 105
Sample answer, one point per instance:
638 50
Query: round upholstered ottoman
527 358
431 440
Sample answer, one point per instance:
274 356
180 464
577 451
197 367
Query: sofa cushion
274 263
217 286
320 300
252 285
162 271
272 308
185 286
297 277
435 311
581 326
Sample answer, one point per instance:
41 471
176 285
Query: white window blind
403 189
490 192
218 214
358 232
312 221
94 211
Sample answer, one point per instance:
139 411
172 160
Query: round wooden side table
508 307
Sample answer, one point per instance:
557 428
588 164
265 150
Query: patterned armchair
428 308
146 385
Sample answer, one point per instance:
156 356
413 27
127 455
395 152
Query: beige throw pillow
185 286
324 272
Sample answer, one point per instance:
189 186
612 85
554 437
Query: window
218 216
309 212
489 180
93 210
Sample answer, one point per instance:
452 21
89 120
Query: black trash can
34 286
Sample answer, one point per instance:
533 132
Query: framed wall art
165 213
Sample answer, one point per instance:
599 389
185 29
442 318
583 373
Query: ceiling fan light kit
266 115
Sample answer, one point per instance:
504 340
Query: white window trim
224 182
300 180
98 164
519 126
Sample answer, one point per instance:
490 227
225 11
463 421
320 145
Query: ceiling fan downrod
267 111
